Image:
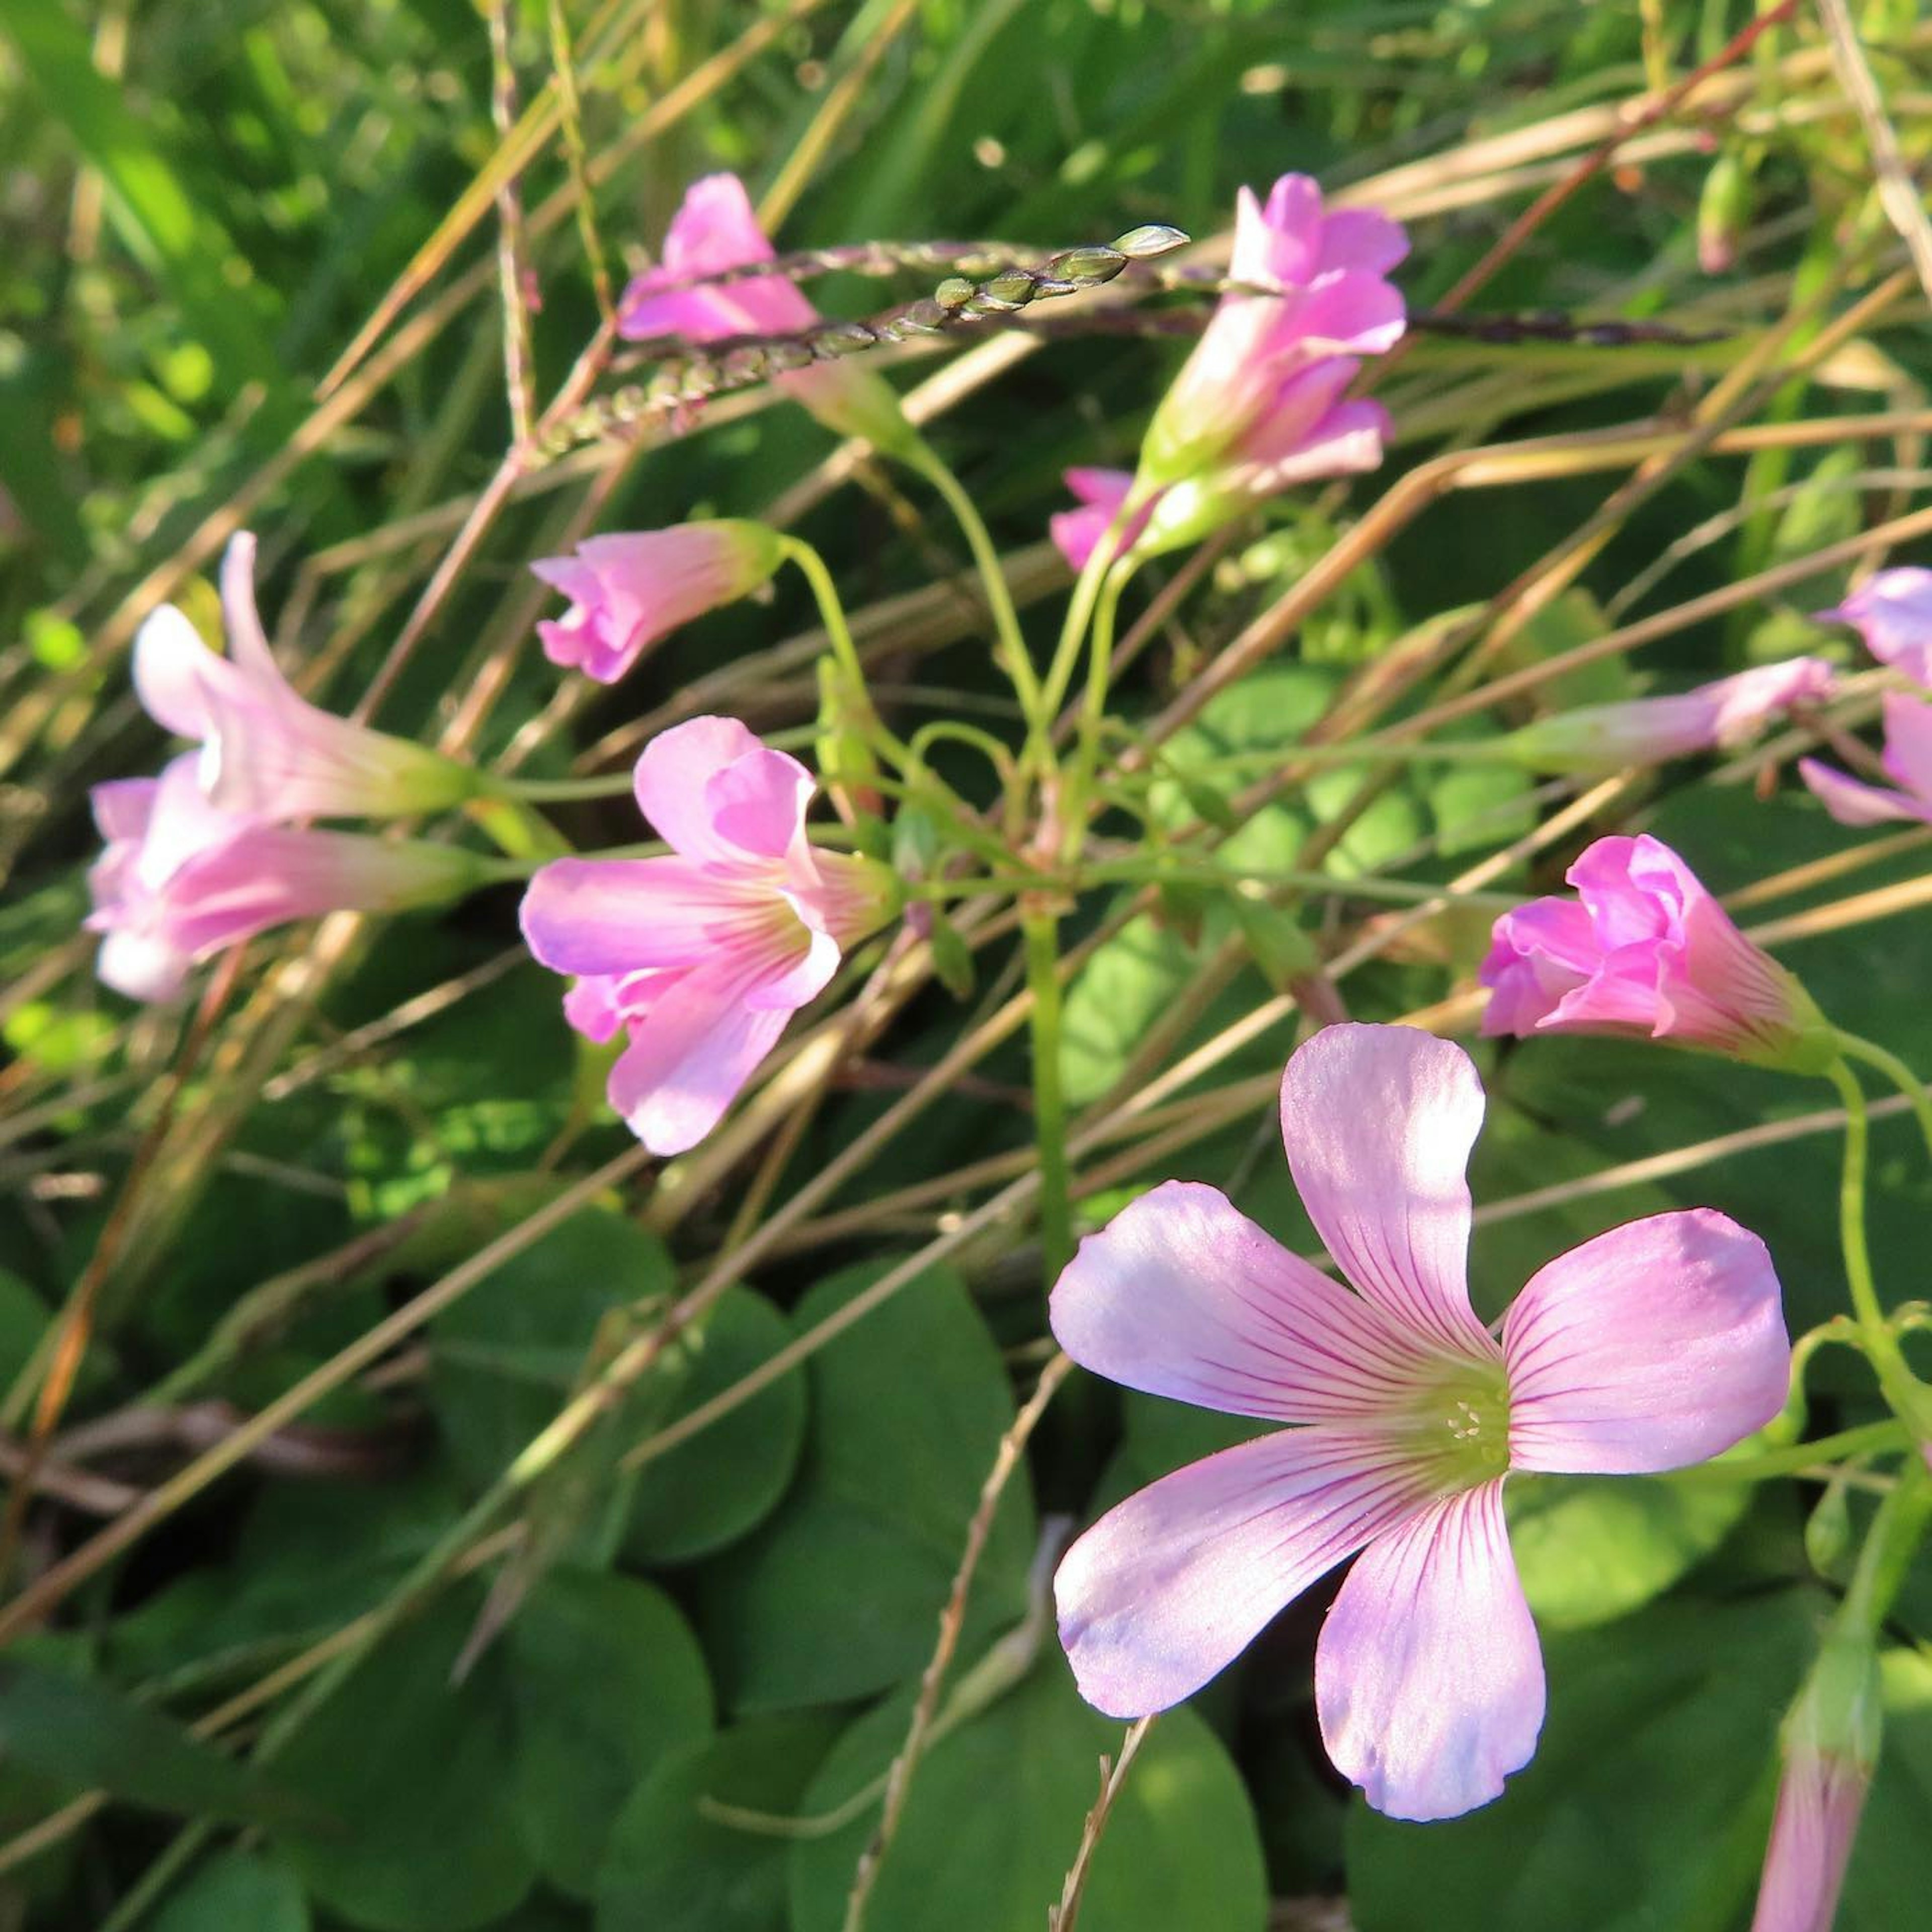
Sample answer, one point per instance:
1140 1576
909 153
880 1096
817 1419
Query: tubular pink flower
1101 494
1258 406
629 590
1658 1344
1647 731
1644 950
1908 758
182 880
1893 614
702 955
715 229
266 752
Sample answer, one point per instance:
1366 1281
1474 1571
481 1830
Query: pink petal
673 784
1893 614
1169 1588
1820 1800
1851 802
1657 1344
1182 1295
172 667
600 915
248 642
1428 1677
1540 952
1908 744
689 1059
715 227
757 802
1378 1121
1360 238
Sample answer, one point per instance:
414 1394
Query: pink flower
1893 614
1643 950
628 591
701 956
182 880
1258 405
1657 1344
715 229
1647 731
1831 1749
266 752
1908 758
1100 493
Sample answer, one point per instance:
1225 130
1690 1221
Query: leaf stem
1042 932
1895 1070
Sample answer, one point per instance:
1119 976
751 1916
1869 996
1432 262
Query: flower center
1460 1425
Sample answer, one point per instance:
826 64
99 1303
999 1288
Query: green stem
1042 931
1093 709
1895 1070
1073 630
546 791
1890 1546
925 459
1870 1438
1908 1396
831 611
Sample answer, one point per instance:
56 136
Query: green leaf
237 1892
995 1814
417 1780
607 1678
1648 1801
88 1734
723 1484
670 1868
1590 1548
838 1595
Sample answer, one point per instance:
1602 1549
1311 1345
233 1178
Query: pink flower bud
1645 951
701 956
1647 731
182 880
266 752
628 591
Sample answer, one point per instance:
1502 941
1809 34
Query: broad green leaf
995 1814
89 1734
418 1779
1590 1548
671 1868
237 1892
839 1593
607 1678
1647 1802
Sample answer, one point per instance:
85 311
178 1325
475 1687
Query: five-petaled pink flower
181 879
1657 1344
715 229
702 955
1644 950
628 590
1908 758
266 752
1647 731
1893 614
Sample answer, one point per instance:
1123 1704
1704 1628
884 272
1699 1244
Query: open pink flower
266 752
1893 614
715 229
1657 1344
182 880
1647 731
1259 400
628 591
1644 950
1908 758
702 955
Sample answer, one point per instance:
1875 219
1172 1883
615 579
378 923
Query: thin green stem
925 459
548 791
1073 630
1908 1396
1042 931
831 611
1890 1546
1093 709
1895 1070
1870 1439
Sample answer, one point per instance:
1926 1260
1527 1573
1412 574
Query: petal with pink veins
1379 1122
673 784
1428 1677
601 915
1181 1295
1168 1587
1656 1345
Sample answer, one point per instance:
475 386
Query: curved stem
831 611
1042 931
1895 1070
925 459
1093 708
